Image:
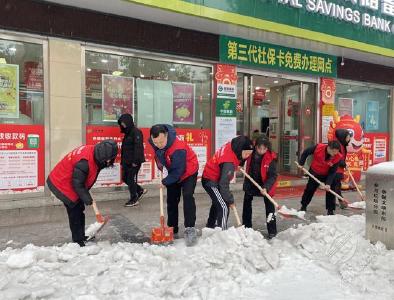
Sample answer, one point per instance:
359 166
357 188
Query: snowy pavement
329 259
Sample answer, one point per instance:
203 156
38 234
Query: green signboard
263 55
366 25
226 108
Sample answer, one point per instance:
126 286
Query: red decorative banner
327 89
225 84
33 75
22 157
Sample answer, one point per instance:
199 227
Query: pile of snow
291 212
327 260
358 205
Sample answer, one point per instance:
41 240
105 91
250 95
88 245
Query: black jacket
132 151
341 135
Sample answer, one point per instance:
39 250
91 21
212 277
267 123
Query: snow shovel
162 234
322 184
282 210
356 185
100 222
236 215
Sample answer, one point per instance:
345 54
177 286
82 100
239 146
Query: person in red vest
326 158
182 166
343 136
72 178
261 166
218 173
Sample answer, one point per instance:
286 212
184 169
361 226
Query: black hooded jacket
341 135
133 143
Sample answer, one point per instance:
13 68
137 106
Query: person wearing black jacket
324 167
72 178
132 153
261 166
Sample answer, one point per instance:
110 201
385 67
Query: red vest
224 154
61 175
191 157
265 163
321 166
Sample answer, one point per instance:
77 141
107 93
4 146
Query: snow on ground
329 259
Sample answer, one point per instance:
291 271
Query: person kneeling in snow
218 172
182 165
261 166
72 178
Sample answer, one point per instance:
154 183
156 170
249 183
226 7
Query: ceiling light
172 69
104 61
257 87
267 90
142 75
276 81
88 69
349 90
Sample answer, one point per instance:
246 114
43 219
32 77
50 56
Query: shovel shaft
236 215
355 184
161 196
319 182
260 188
96 210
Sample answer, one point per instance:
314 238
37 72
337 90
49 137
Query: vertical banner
225 95
372 115
345 107
117 96
183 103
327 99
9 91
22 157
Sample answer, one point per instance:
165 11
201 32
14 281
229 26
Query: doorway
282 109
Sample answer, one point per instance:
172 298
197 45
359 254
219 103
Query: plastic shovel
357 205
100 221
356 185
162 234
282 210
321 183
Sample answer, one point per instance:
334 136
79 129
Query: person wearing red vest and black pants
324 166
343 136
261 166
218 173
72 178
182 166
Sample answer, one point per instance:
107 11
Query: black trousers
186 187
76 219
130 176
247 213
310 190
218 214
336 187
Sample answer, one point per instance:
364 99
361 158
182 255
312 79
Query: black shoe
131 203
141 194
303 208
330 212
81 243
271 235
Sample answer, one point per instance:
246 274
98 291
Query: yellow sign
9 91
284 183
328 110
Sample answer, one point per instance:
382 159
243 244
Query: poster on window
33 75
9 91
117 96
372 115
345 107
226 129
22 158
183 103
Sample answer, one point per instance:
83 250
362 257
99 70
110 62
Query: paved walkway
134 224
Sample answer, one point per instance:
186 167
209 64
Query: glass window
370 102
152 91
21 83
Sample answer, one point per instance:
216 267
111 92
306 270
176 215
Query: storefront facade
66 84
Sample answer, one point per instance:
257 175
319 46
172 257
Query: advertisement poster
378 143
345 106
326 120
225 81
9 91
33 75
226 129
117 96
183 103
22 157
372 115
327 89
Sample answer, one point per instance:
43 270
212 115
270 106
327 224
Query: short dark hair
334 145
263 140
156 130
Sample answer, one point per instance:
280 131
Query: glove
100 218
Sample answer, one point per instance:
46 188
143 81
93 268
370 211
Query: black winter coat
132 151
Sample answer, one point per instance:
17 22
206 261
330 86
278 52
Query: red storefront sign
198 139
22 157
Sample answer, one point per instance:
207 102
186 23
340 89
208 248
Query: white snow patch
327 260
93 228
359 204
292 212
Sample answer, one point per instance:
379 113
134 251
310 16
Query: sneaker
81 243
141 194
271 235
131 203
190 236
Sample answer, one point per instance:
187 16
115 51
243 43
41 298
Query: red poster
225 84
183 103
259 96
327 89
378 143
117 94
22 157
33 75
